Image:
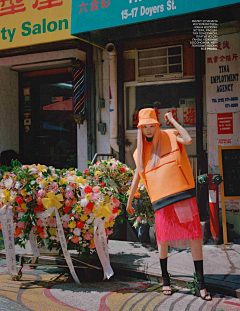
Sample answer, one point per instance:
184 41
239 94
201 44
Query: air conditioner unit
186 102
159 63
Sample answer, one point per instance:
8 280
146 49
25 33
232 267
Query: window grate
157 63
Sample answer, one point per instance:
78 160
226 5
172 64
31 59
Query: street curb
181 282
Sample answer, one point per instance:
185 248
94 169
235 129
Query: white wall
101 59
9 113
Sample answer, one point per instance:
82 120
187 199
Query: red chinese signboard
225 123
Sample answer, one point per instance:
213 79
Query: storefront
155 61
43 84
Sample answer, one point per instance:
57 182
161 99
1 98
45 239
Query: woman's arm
133 190
185 137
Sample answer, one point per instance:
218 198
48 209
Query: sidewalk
221 265
133 259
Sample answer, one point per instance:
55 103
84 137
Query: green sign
89 15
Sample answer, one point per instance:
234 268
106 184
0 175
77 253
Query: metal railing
102 156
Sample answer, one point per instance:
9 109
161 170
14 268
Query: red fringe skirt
179 223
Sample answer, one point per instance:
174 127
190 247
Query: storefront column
120 99
90 98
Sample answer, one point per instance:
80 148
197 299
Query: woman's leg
197 255
163 253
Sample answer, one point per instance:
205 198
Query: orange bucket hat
147 116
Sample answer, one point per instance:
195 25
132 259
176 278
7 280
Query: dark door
47 129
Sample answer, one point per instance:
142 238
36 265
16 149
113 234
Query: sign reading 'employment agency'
89 15
28 22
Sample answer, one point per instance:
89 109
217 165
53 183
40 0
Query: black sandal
201 285
166 282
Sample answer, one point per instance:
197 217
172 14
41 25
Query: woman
163 165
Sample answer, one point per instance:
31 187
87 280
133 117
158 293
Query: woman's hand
168 116
130 209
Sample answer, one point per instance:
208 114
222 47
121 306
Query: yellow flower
107 199
78 208
24 206
72 172
103 211
91 230
88 196
51 179
72 224
63 181
97 173
80 180
5 196
44 182
24 192
84 217
52 231
109 224
84 231
41 168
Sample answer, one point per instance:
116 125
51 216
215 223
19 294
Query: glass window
179 98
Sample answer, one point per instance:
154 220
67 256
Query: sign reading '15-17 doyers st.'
88 15
28 22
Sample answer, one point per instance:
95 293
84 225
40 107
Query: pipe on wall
113 131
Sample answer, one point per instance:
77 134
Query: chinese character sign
222 75
28 22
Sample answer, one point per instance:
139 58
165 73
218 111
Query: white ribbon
33 243
62 239
100 241
8 228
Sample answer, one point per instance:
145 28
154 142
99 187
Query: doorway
48 133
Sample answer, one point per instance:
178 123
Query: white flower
86 226
70 178
21 235
20 215
33 170
13 195
90 219
65 217
8 183
17 184
69 188
84 202
52 169
41 186
77 231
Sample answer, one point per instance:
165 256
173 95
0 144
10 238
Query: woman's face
149 130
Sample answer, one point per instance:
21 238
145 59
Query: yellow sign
29 22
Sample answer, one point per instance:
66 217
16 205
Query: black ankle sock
199 273
165 275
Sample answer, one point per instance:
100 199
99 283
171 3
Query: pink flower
95 178
88 236
86 210
51 222
53 187
96 189
94 196
40 193
109 232
40 222
20 224
139 218
69 194
24 167
38 180
111 218
76 216
92 246
65 224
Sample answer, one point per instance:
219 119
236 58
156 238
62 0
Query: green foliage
193 286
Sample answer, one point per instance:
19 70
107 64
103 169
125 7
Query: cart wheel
17 277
